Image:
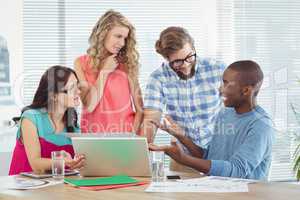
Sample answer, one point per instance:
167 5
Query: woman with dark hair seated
43 124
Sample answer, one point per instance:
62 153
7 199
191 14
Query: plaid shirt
191 103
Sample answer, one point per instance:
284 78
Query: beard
183 76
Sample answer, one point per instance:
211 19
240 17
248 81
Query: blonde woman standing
108 75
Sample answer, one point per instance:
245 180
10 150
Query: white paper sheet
200 186
218 178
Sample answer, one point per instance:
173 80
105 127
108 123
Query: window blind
44 41
56 32
267 31
149 19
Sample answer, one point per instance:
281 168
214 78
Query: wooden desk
261 191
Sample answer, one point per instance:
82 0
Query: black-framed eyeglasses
179 62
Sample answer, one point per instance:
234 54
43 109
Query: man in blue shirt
185 87
242 136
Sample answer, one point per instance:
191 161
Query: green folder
113 180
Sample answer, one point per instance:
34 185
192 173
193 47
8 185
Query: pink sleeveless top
114 112
49 141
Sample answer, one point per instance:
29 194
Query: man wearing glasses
185 88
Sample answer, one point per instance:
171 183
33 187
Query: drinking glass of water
157 160
58 165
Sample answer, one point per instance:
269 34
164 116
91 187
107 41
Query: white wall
11 29
5 158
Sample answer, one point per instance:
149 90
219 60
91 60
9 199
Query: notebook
114 180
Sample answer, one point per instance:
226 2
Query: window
10 70
267 31
10 52
5 89
149 19
56 32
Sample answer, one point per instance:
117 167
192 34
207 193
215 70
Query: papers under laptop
109 156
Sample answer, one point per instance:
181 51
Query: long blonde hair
97 52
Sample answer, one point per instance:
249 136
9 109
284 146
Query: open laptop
108 156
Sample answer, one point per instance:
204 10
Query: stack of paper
207 184
104 183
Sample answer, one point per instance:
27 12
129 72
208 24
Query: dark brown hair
52 82
171 40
